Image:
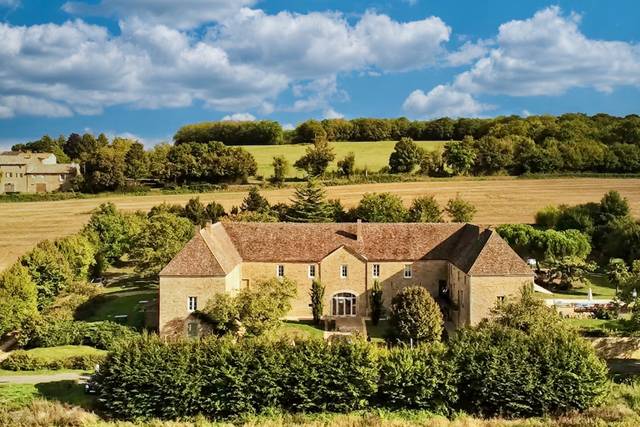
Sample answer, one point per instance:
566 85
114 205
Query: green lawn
109 306
377 333
616 324
19 395
302 327
600 287
373 155
64 352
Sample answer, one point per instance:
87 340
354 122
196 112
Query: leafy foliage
460 210
460 155
254 202
377 302
381 207
416 316
262 132
280 169
18 299
317 158
49 270
317 298
405 156
347 165
526 362
425 209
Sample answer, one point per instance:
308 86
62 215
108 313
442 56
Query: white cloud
239 117
330 113
83 69
467 53
243 63
443 100
545 55
548 55
288 126
11 106
183 14
317 44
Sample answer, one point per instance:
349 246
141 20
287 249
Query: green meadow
372 155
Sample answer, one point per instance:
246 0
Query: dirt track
506 200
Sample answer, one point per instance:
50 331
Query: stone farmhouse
465 267
34 173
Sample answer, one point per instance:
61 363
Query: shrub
49 270
48 332
405 156
280 169
381 207
86 361
425 209
416 316
548 217
317 296
460 210
377 302
421 378
152 378
20 360
316 159
347 165
18 299
526 362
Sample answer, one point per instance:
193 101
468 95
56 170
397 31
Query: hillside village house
465 267
34 173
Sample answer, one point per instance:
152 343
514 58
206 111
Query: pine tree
255 202
310 204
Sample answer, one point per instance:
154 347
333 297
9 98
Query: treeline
508 366
121 163
263 132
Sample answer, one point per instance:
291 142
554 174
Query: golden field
500 200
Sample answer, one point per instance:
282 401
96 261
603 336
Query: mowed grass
113 307
66 391
64 351
498 200
372 155
600 286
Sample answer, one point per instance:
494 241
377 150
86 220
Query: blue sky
144 68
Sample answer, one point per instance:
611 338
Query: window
343 304
312 271
501 299
192 304
376 270
344 270
407 271
280 270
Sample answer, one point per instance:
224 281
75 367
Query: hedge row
21 360
220 379
101 335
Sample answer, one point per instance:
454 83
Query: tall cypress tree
309 204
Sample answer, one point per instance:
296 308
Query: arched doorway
343 304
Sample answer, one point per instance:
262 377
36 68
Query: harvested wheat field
504 200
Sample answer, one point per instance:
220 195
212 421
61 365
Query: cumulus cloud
548 55
11 106
242 63
545 55
330 113
239 117
180 14
467 53
317 44
443 100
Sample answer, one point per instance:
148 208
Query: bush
460 210
422 378
51 333
381 207
405 156
87 361
20 360
416 316
152 378
526 362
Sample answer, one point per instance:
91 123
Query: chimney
359 230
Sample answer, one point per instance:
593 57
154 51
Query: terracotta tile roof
474 250
195 259
497 258
56 169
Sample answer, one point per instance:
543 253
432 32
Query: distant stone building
465 267
34 173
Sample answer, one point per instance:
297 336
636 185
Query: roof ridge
484 245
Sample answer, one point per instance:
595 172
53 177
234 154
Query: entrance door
343 304
41 188
9 188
